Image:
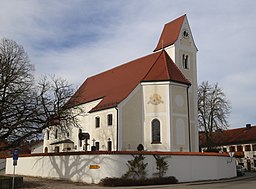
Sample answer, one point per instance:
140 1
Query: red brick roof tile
170 33
115 85
165 70
231 137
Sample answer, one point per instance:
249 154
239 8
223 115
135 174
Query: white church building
149 102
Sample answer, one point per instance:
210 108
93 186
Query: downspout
189 131
117 136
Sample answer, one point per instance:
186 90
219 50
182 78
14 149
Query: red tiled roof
116 84
231 137
170 33
165 69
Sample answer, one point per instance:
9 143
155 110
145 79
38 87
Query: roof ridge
166 65
152 65
123 64
182 75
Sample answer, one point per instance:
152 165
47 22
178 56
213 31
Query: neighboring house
25 148
240 141
3 144
149 101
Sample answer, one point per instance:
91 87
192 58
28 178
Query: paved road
247 182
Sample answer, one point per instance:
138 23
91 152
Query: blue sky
75 39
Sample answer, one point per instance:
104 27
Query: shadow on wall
80 168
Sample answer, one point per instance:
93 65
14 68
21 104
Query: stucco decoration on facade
155 99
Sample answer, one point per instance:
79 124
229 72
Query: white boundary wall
79 167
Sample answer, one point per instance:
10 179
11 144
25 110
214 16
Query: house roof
116 84
237 136
170 33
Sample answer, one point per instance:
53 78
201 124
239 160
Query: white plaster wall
77 167
105 131
159 111
130 126
87 124
37 149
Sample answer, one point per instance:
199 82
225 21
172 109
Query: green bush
136 168
161 165
141 182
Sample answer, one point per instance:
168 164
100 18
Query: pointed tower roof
164 69
170 33
114 85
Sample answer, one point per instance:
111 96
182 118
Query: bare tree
26 106
213 110
51 98
15 85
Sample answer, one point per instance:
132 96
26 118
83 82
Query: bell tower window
185 61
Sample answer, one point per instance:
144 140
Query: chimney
248 126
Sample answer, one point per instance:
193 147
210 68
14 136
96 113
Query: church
148 103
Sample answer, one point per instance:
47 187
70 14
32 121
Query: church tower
177 40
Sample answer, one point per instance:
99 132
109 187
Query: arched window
185 61
45 150
155 126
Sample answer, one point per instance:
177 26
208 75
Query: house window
110 119
185 61
56 133
232 148
155 126
45 150
239 148
247 148
97 144
97 122
254 149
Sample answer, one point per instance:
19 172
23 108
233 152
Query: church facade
148 102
